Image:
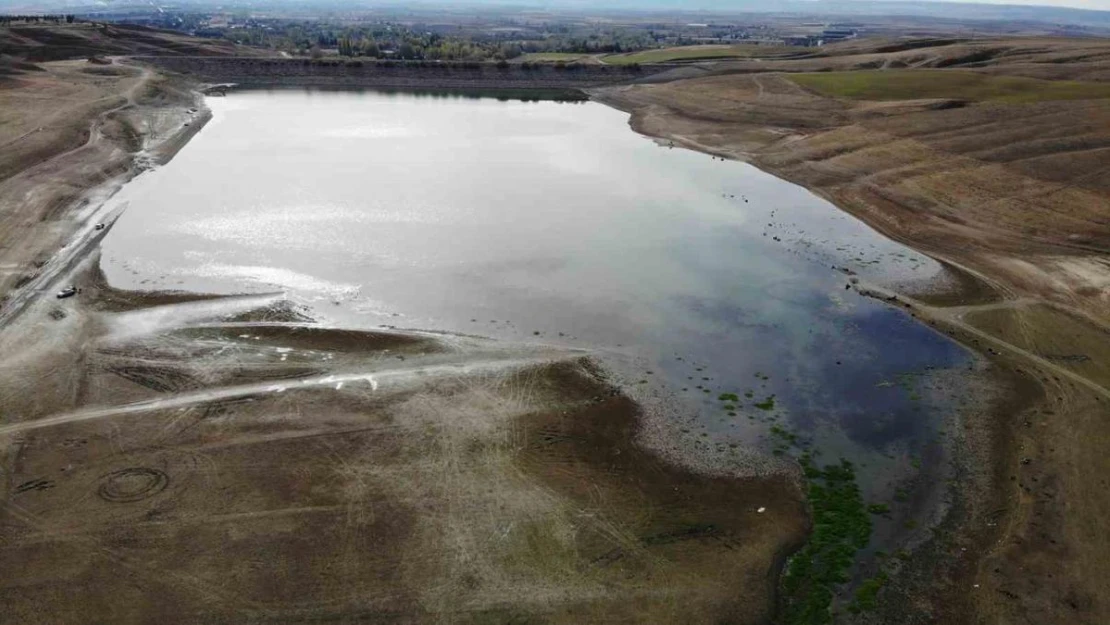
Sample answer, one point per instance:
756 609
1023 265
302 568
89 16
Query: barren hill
54 42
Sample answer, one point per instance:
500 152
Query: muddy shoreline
64 198
988 558
190 380
958 284
960 287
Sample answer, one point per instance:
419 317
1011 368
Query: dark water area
553 222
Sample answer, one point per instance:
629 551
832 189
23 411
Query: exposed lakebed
707 283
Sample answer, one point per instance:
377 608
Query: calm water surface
509 218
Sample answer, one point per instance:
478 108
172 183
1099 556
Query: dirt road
49 202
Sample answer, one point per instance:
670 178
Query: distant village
477 37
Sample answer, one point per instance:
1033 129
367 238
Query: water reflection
541 221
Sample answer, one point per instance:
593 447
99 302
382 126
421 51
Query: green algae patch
841 527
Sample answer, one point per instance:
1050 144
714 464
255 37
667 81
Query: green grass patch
695 53
841 527
915 84
767 404
732 397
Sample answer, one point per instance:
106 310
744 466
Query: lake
554 222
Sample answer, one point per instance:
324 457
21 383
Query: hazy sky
1098 5
1101 5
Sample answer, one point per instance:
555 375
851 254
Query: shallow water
552 222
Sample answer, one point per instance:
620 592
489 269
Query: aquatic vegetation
841 527
732 397
878 508
784 434
911 382
767 404
867 593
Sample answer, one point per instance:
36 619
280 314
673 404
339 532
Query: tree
346 46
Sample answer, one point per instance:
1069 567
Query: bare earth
225 461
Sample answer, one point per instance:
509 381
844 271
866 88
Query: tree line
414 42
7 20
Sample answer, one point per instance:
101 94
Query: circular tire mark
132 484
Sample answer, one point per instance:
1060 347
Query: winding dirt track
88 238
954 317
385 379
